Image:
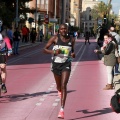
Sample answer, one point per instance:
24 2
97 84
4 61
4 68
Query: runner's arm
7 41
50 42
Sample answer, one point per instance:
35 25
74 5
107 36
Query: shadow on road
95 113
25 96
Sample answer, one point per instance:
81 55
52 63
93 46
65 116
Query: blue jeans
16 46
116 72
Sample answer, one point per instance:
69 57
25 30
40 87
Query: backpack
115 102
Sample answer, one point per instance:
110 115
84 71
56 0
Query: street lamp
35 14
55 16
16 13
62 12
84 27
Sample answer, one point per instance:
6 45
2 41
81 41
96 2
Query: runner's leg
64 81
58 81
3 76
3 73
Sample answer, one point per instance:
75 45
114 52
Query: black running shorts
3 59
58 68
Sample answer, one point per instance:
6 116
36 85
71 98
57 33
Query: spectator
108 49
113 33
75 35
28 32
16 39
24 34
41 35
33 35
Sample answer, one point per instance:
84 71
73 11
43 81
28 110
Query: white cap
1 38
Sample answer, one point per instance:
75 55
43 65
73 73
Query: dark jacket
16 36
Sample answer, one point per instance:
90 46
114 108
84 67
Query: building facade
44 7
75 12
87 22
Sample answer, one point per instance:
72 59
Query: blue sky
115 4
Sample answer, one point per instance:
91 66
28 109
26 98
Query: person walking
41 35
24 34
75 35
108 49
5 51
16 40
87 36
33 35
63 51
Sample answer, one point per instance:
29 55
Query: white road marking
55 104
38 104
57 100
42 99
52 86
49 89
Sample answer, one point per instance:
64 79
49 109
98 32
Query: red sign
46 19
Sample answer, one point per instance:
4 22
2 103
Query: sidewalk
23 44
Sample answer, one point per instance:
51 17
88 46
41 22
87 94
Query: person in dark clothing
87 36
103 31
33 35
41 35
16 39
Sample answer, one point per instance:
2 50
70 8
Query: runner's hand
58 51
73 55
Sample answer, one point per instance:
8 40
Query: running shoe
59 94
3 88
61 115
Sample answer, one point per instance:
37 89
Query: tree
100 10
8 10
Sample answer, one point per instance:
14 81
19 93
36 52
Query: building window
90 17
46 1
46 4
83 24
42 2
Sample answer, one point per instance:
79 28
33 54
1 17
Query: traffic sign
100 21
53 20
46 19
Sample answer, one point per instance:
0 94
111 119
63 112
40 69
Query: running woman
63 51
5 50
